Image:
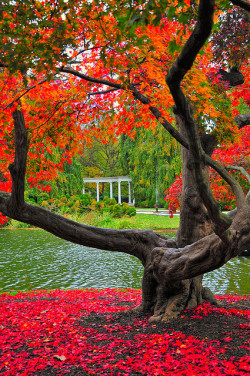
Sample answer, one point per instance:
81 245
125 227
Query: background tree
156 69
152 160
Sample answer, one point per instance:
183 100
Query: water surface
33 259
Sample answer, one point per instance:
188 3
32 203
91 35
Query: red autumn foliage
44 331
235 155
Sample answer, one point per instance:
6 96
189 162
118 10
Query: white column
83 190
97 192
111 189
129 193
119 192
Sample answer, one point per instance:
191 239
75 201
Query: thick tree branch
242 4
233 77
242 120
183 109
194 44
134 242
18 168
205 255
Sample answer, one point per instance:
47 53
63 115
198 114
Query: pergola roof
111 179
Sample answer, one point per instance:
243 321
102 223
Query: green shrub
131 211
117 211
85 199
109 201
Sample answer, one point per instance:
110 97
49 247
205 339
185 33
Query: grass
140 221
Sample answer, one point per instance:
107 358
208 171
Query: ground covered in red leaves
88 332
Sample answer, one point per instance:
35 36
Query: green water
34 259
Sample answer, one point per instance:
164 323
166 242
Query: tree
235 159
152 160
207 238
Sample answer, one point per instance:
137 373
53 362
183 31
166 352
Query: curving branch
26 91
70 70
137 243
205 255
242 4
241 169
183 109
234 184
134 242
158 115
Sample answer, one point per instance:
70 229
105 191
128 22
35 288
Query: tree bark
173 271
167 301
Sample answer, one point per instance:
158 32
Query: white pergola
110 180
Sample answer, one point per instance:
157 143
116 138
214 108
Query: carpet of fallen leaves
87 332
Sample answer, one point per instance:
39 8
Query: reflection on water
34 259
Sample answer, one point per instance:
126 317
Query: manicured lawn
87 332
140 221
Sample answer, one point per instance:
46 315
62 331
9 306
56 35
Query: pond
33 259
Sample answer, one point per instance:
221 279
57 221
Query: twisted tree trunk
172 270
167 300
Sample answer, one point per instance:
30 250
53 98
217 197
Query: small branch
136 94
234 184
158 115
90 79
17 99
18 168
102 92
242 4
241 169
57 107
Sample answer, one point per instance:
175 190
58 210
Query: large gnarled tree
207 238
